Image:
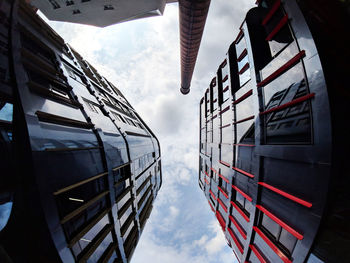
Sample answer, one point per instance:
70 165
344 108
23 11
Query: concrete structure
79 167
100 13
272 142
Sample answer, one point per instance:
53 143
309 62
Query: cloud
142 59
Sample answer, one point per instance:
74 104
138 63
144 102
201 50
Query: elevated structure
271 138
192 17
79 167
99 13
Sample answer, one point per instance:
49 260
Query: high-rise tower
271 138
79 167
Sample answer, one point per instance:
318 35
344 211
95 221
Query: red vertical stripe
240 211
257 254
239 228
280 222
272 245
238 244
289 196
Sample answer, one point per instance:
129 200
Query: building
99 13
272 142
80 168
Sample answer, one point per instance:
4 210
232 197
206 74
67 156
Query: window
91 106
54 4
108 7
69 2
280 237
76 11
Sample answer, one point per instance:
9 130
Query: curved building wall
267 142
85 168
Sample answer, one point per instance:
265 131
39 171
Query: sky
142 58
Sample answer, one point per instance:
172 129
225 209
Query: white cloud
142 59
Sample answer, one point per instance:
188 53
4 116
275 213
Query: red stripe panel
289 196
238 244
206 181
257 254
239 228
224 163
242 55
223 192
272 245
245 67
238 36
221 220
225 78
224 178
272 11
212 208
246 119
225 126
222 205
242 144
280 222
246 95
281 24
289 104
223 64
206 174
240 211
242 193
243 172
212 194
226 89
213 170
282 69
224 110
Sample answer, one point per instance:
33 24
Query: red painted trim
238 244
280 222
212 208
206 181
281 24
238 36
224 110
246 119
242 55
272 245
245 67
282 69
225 89
236 255
272 11
242 144
243 97
215 100
239 228
212 194
224 178
242 193
289 196
206 174
223 64
211 168
214 117
243 172
257 254
289 104
225 126
221 220
222 205
240 211
223 192
225 163
225 78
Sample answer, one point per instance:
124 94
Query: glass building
271 139
79 168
